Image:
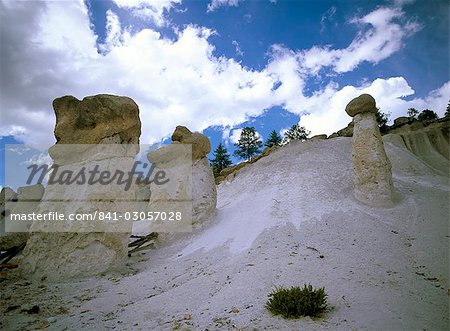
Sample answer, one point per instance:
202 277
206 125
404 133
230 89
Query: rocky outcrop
345 132
8 199
372 176
200 143
402 120
318 137
191 180
25 201
233 169
95 119
78 248
430 143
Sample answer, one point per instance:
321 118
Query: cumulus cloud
18 150
179 81
388 94
149 9
236 134
39 159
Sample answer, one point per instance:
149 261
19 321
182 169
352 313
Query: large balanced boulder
200 143
372 176
92 135
365 103
96 118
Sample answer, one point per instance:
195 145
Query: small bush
296 302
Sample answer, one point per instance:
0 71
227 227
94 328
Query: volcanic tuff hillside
288 219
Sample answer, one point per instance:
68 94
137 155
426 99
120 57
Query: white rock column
98 132
372 175
195 175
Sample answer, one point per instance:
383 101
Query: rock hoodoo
78 248
372 176
200 181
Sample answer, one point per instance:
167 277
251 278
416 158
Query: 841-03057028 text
99 216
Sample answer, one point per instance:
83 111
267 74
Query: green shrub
296 302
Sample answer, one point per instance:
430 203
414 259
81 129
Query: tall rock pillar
372 176
197 186
98 137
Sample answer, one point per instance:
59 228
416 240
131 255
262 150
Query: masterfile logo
98 188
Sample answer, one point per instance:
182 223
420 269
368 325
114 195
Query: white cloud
177 82
236 134
328 16
39 159
383 37
153 10
214 4
18 150
237 48
388 94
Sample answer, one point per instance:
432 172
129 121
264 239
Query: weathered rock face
402 120
204 192
25 201
200 143
58 251
8 240
347 131
96 118
372 176
319 137
430 144
195 183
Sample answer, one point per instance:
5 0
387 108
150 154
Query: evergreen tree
248 144
296 132
447 112
382 119
273 140
413 112
427 114
221 159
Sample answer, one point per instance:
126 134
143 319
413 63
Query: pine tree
248 144
273 140
447 112
296 132
221 159
427 115
382 119
413 112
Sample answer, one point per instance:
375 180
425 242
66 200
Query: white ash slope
290 219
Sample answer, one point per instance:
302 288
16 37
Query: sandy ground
288 219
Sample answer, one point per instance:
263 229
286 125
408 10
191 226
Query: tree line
249 143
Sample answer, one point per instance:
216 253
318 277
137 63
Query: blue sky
219 65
